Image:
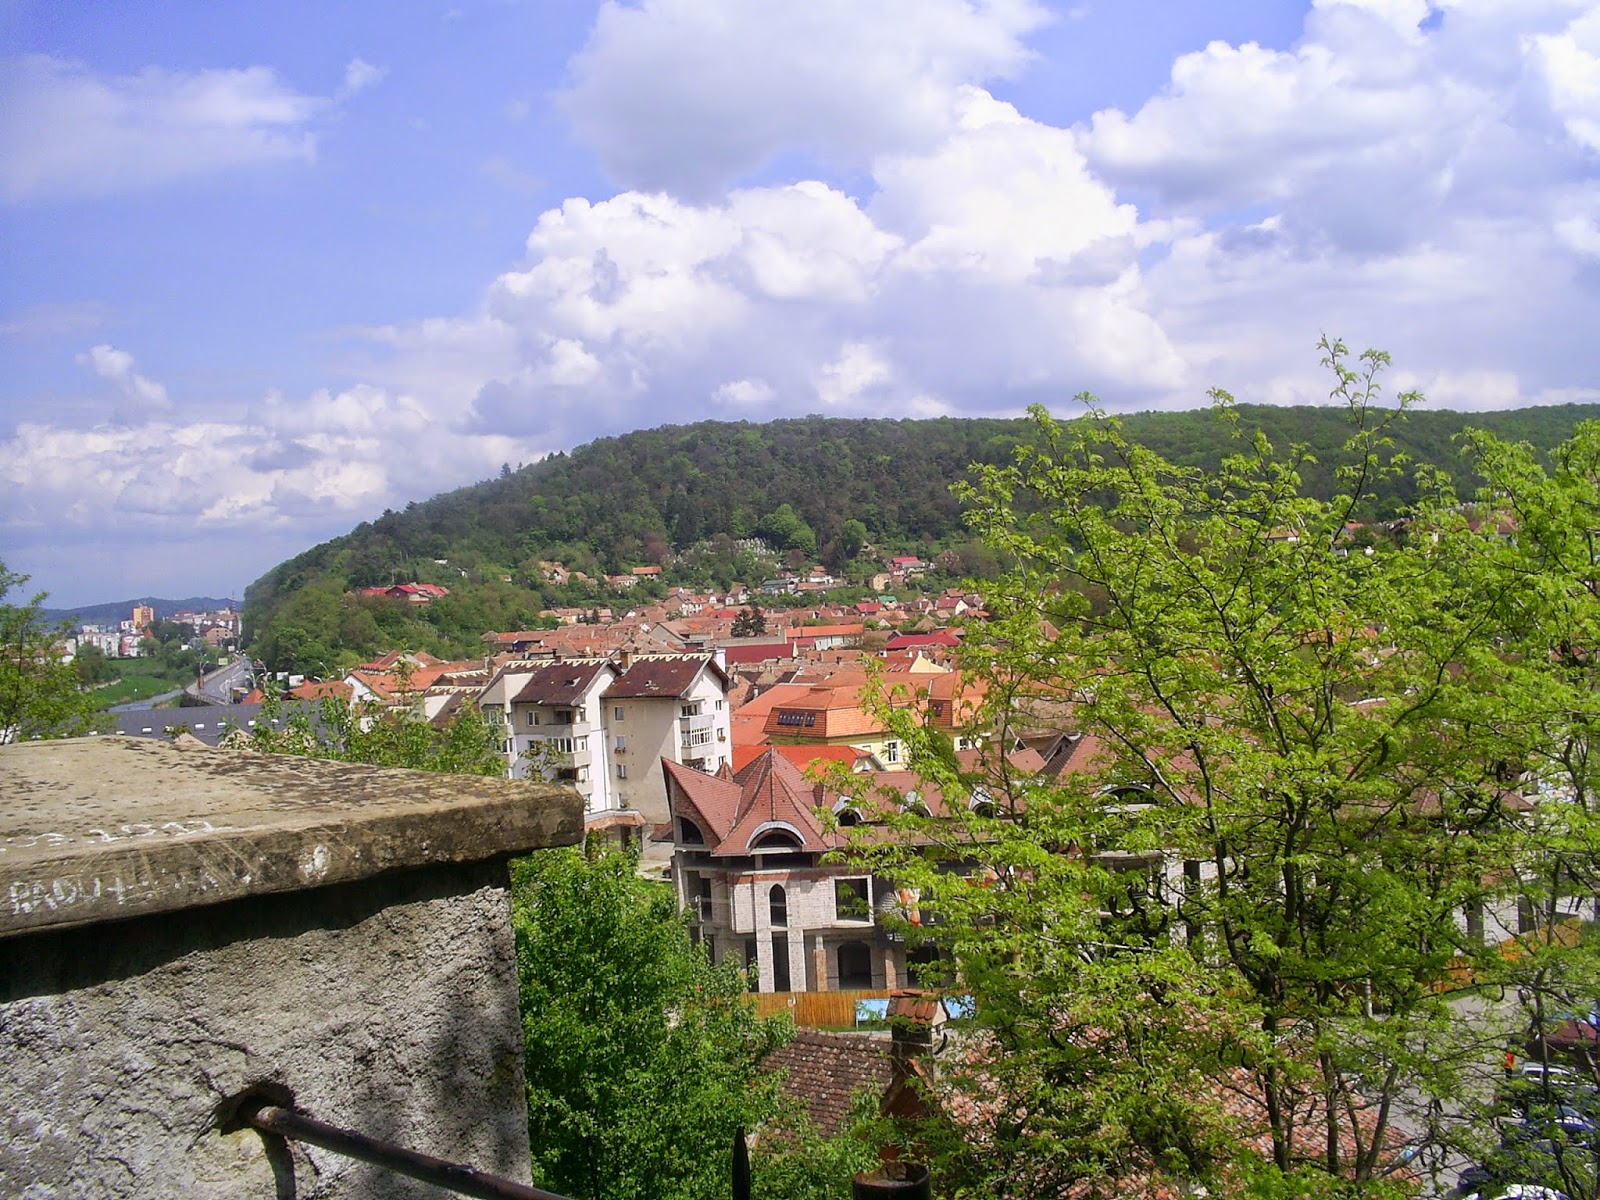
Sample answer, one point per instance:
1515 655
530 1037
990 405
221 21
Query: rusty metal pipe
456 1177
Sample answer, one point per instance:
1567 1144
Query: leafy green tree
642 1056
1536 554
40 694
1291 787
469 744
751 622
852 536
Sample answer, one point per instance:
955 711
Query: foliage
40 695
468 745
1538 556
793 1161
641 1055
751 622
822 484
1292 783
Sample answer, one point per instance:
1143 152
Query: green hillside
680 495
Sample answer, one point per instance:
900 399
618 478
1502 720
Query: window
891 752
981 802
752 965
583 774
778 903
700 893
622 743
617 714
622 770
802 720
533 717
777 839
780 963
690 710
720 703
689 833
852 899
855 965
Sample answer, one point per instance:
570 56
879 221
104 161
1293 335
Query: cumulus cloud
330 455
359 75
117 366
66 130
687 95
1414 178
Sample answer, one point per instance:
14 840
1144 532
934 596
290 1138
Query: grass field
132 687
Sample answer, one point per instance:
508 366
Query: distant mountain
122 610
686 495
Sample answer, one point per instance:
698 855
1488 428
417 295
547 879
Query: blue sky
266 270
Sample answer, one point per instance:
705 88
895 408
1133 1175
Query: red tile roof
824 1071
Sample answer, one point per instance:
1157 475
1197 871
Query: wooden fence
816 1010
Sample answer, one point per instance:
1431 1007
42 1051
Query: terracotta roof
801 756
732 813
824 1071
334 688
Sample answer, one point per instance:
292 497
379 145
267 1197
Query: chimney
912 1013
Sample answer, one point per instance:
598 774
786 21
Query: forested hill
625 501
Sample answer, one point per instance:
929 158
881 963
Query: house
408 593
747 867
665 706
824 637
557 732
601 722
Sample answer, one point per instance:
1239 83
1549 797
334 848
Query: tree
641 1055
469 744
1291 785
751 622
40 693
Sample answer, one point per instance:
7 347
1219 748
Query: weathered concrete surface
93 829
387 1005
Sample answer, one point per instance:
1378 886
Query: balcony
695 732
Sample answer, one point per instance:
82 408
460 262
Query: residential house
557 729
747 867
665 706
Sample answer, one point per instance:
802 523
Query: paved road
218 687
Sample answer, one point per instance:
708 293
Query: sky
267 270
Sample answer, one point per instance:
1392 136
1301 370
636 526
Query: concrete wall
386 1005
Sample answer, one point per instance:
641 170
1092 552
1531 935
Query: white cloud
1569 62
359 75
67 131
687 95
117 366
328 456
743 393
1424 185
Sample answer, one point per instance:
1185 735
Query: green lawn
132 687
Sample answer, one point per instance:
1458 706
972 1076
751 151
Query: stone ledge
98 829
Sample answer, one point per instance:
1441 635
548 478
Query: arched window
776 839
981 802
689 833
914 803
778 901
855 965
846 812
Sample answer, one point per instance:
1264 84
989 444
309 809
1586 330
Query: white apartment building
665 706
604 725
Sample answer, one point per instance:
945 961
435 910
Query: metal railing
456 1177
267 1117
